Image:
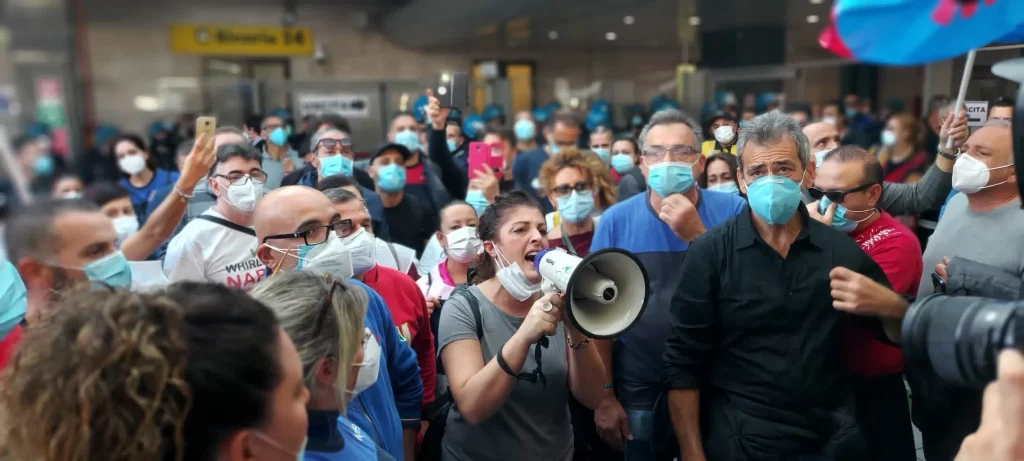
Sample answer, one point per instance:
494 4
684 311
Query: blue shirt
632 225
139 196
525 169
942 210
394 401
357 445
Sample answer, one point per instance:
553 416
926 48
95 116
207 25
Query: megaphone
606 292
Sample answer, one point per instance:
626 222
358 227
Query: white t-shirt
205 251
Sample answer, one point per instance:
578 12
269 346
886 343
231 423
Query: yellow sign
241 40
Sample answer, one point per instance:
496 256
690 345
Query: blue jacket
332 437
398 385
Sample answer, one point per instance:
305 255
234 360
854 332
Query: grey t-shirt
995 238
534 422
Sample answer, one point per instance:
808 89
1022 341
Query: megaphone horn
606 292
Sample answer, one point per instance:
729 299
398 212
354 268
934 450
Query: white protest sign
977 112
346 105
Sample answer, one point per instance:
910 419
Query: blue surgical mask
44 165
408 138
605 154
839 220
727 187
622 163
391 178
13 298
452 145
335 164
279 137
554 148
851 112
477 200
888 138
525 130
667 178
774 198
576 207
744 123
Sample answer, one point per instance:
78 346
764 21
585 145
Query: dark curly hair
119 376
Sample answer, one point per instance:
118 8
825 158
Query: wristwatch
942 152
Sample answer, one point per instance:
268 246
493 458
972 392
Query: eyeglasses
321 316
239 179
317 235
835 196
566 189
331 143
655 154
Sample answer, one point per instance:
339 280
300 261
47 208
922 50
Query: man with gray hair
755 340
656 226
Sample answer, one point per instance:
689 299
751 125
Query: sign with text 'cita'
222 40
977 113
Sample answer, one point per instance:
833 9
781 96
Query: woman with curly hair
580 187
200 372
324 318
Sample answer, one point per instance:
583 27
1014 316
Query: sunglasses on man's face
836 196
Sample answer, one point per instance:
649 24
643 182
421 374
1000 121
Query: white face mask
513 279
463 244
363 249
71 195
244 196
971 175
370 368
829 120
132 164
125 226
331 257
725 134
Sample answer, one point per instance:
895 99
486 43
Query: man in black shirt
409 221
754 358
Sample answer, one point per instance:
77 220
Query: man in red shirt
55 244
400 292
848 185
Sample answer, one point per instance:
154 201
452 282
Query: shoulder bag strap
227 224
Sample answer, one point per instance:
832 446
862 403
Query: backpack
437 414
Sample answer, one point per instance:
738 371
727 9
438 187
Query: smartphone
453 90
206 125
938 283
482 156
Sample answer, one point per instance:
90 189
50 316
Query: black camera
959 338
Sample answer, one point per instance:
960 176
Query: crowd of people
311 303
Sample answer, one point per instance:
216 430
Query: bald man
897 199
278 218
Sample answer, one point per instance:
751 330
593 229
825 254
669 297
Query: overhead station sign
225 40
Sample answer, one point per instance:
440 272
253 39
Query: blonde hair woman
324 318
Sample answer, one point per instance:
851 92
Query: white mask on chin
513 279
363 248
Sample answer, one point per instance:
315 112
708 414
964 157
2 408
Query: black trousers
587 443
884 417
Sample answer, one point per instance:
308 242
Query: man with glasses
298 229
848 187
564 129
219 245
656 226
752 361
333 155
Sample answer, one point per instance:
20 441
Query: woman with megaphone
507 352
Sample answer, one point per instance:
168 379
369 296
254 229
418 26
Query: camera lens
958 338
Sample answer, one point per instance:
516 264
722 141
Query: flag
911 32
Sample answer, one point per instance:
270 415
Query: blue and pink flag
911 32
